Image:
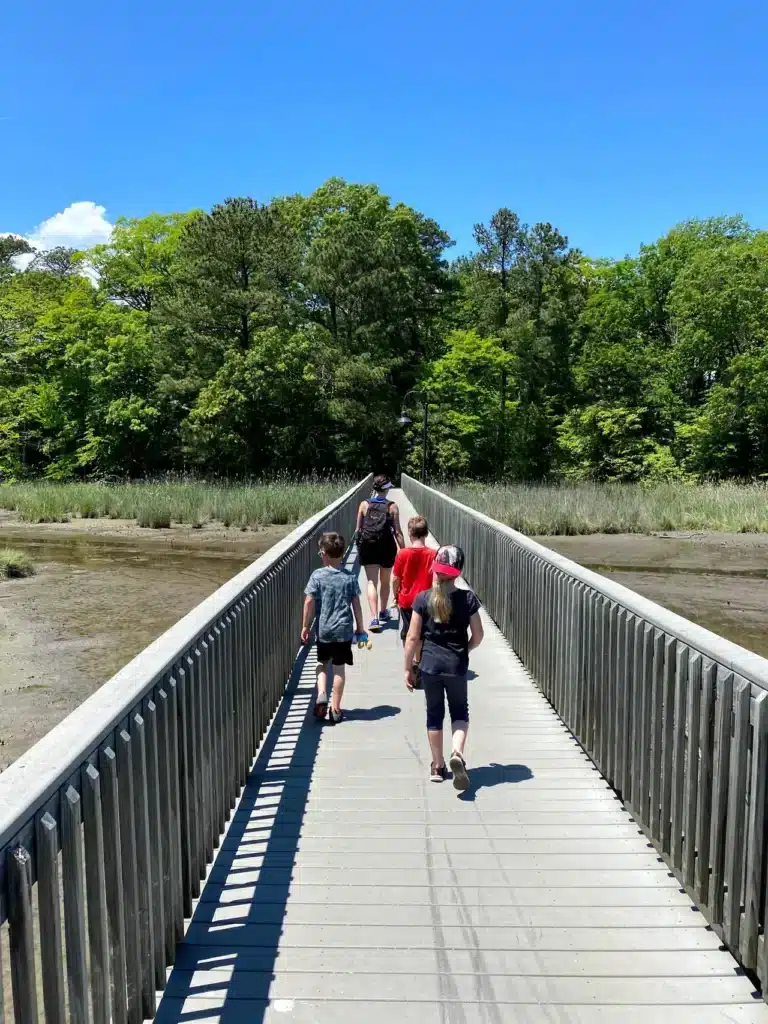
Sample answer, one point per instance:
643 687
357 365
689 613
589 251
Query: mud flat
103 591
719 580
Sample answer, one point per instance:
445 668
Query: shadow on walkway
371 714
494 775
225 964
235 930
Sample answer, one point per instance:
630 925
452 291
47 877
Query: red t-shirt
413 567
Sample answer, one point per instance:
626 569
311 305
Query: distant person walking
378 538
333 597
446 622
412 572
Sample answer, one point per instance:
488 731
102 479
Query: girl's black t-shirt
445 644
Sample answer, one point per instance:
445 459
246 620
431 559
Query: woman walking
446 622
378 538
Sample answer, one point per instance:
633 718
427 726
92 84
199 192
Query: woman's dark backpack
377 522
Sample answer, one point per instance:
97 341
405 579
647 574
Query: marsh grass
15 565
158 505
570 509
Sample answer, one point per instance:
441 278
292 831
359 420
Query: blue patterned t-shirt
333 590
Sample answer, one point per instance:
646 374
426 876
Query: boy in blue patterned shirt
337 593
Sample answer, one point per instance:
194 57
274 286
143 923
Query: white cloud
79 226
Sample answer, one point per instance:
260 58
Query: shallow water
96 550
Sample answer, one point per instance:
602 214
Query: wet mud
719 580
98 598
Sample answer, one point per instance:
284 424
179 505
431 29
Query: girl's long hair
438 603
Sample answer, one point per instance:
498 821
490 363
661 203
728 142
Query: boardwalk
351 889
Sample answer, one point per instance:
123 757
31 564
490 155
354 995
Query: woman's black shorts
378 552
338 652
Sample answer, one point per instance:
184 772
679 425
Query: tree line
283 337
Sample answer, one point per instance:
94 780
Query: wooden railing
675 717
107 825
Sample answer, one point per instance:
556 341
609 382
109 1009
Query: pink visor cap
449 561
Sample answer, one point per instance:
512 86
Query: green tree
60 261
525 286
612 442
232 270
719 309
372 274
729 436
10 248
136 265
77 382
464 393
285 335
656 337
257 412
498 245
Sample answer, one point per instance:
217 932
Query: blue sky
613 120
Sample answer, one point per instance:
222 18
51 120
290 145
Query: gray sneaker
438 774
459 769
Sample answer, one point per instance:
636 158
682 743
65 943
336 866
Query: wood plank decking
351 890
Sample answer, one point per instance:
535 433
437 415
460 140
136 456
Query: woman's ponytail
438 603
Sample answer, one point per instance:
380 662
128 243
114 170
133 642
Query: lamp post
405 421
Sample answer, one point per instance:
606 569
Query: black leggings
436 690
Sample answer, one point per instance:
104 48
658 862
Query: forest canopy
284 337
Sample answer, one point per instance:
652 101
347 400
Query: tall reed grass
158 505
570 509
15 565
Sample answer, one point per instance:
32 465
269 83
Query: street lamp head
404 420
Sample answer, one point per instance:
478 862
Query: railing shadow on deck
266 827
274 837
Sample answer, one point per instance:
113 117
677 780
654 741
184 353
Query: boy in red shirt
412 572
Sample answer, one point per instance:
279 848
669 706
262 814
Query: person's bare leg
435 737
321 702
385 576
322 680
459 736
339 678
372 575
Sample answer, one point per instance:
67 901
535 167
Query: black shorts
338 652
378 552
406 614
